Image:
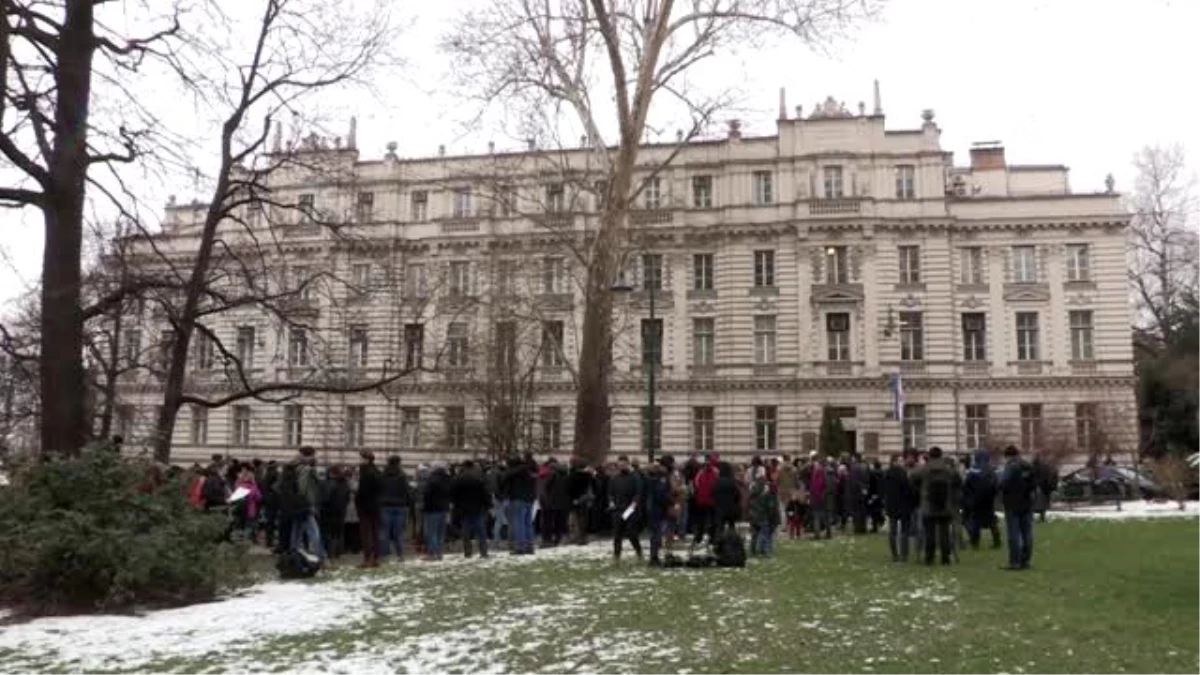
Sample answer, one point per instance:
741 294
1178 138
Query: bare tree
557 65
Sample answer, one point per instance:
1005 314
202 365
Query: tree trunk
64 427
593 426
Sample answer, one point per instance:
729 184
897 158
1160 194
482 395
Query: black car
1109 483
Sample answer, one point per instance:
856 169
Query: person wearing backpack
979 499
936 483
1017 486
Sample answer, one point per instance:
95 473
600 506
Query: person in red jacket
704 517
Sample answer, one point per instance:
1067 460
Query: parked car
1109 483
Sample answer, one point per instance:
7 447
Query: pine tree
832 437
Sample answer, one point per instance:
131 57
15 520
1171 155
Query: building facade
789 273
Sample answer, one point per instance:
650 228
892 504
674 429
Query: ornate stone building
789 272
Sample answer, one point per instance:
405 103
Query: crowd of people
928 498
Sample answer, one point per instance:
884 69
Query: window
974 330
1081 335
358 347
1078 268
356 426
506 196
836 268
551 418
365 209
913 429
977 425
556 198
302 283
764 339
462 202
766 428
703 341
306 205
971 265
552 344
652 193
506 345
912 336
414 342
133 346
456 427
460 278
651 427
506 277
420 205
833 182
1024 264
199 425
600 189
204 351
764 269
416 282
293 425
1086 436
702 192
410 427
241 425
652 272
254 213
360 276
702 271
125 414
906 181
910 264
298 346
1031 426
764 187
837 336
704 428
166 343
651 343
553 276
457 348
1027 336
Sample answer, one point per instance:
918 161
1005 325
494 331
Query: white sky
1084 83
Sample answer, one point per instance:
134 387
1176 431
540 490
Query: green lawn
1102 597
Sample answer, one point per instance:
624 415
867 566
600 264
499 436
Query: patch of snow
1130 511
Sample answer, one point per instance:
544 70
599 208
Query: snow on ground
1130 511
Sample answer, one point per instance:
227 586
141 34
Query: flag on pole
896 384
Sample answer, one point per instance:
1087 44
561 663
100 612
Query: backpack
297 564
730 549
938 491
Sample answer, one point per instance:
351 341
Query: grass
1102 597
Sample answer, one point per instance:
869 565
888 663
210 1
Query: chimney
352 136
878 101
782 103
735 129
987 156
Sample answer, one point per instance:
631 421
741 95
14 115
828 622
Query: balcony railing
827 207
651 217
460 224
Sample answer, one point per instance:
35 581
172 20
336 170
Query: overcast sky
1084 83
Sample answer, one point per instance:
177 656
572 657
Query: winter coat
469 494
979 488
764 507
939 486
337 499
817 487
706 481
579 485
854 489
658 495
558 494
899 498
623 491
252 500
309 484
726 497
436 498
785 482
520 483
366 499
213 492
394 490
1017 485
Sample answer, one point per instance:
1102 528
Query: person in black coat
979 499
580 495
624 493
520 484
899 503
875 496
395 498
727 500
435 507
270 502
1018 483
557 504
366 502
471 500
334 502
601 520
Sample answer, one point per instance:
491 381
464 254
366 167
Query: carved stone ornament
1080 299
972 302
910 300
830 108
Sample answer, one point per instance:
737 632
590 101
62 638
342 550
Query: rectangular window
977 426
1081 335
505 278
132 346
293 425
556 198
833 182
652 193
906 181
360 276
837 270
703 341
1078 263
462 202
702 192
1025 264
913 429
1027 336
410 427
974 331
552 344
298 346
766 428
551 419
254 213
358 347
506 200
1086 437
910 264
125 415
651 427
971 265
600 190
414 344
365 208
764 339
651 342
166 343
303 284
1031 426
652 272
416 281
205 350
837 336
554 280
306 205
199 425
420 205
356 426
460 278
457 347
506 345
764 269
702 271
912 336
456 427
704 428
241 425
764 187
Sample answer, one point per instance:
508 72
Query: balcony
834 207
651 217
1084 367
975 368
1029 367
839 368
300 230
300 306
460 225
554 302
